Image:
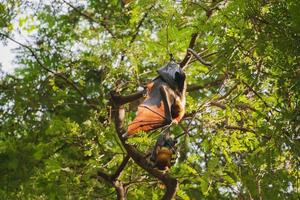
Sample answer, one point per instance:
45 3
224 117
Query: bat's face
172 74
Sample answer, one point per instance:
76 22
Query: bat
164 103
163 152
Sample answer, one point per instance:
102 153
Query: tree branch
121 100
239 128
216 82
256 93
137 29
170 182
113 179
187 57
121 167
227 93
104 176
217 104
118 185
90 18
186 60
60 75
199 58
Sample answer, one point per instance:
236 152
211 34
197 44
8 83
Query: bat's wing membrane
147 118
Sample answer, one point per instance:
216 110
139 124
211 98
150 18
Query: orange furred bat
164 103
164 153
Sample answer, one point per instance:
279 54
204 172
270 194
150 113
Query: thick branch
118 185
170 182
121 100
113 179
121 167
121 191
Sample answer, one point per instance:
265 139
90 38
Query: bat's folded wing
147 118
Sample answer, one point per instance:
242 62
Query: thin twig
60 75
239 128
102 23
258 95
228 93
137 30
216 82
187 57
199 58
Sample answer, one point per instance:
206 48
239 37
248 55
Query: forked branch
199 58
170 182
188 56
113 179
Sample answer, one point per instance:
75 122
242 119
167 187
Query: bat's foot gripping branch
125 135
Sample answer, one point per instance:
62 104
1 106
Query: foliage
56 130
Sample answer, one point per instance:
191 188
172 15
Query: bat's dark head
170 143
172 74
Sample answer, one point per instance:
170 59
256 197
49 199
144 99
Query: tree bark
170 182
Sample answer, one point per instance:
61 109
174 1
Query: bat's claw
125 135
166 170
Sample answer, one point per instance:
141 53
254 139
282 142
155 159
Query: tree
62 111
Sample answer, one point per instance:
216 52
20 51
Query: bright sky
7 56
6 51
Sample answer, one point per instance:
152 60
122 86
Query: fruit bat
163 152
164 103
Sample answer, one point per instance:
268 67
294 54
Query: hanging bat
164 103
164 152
